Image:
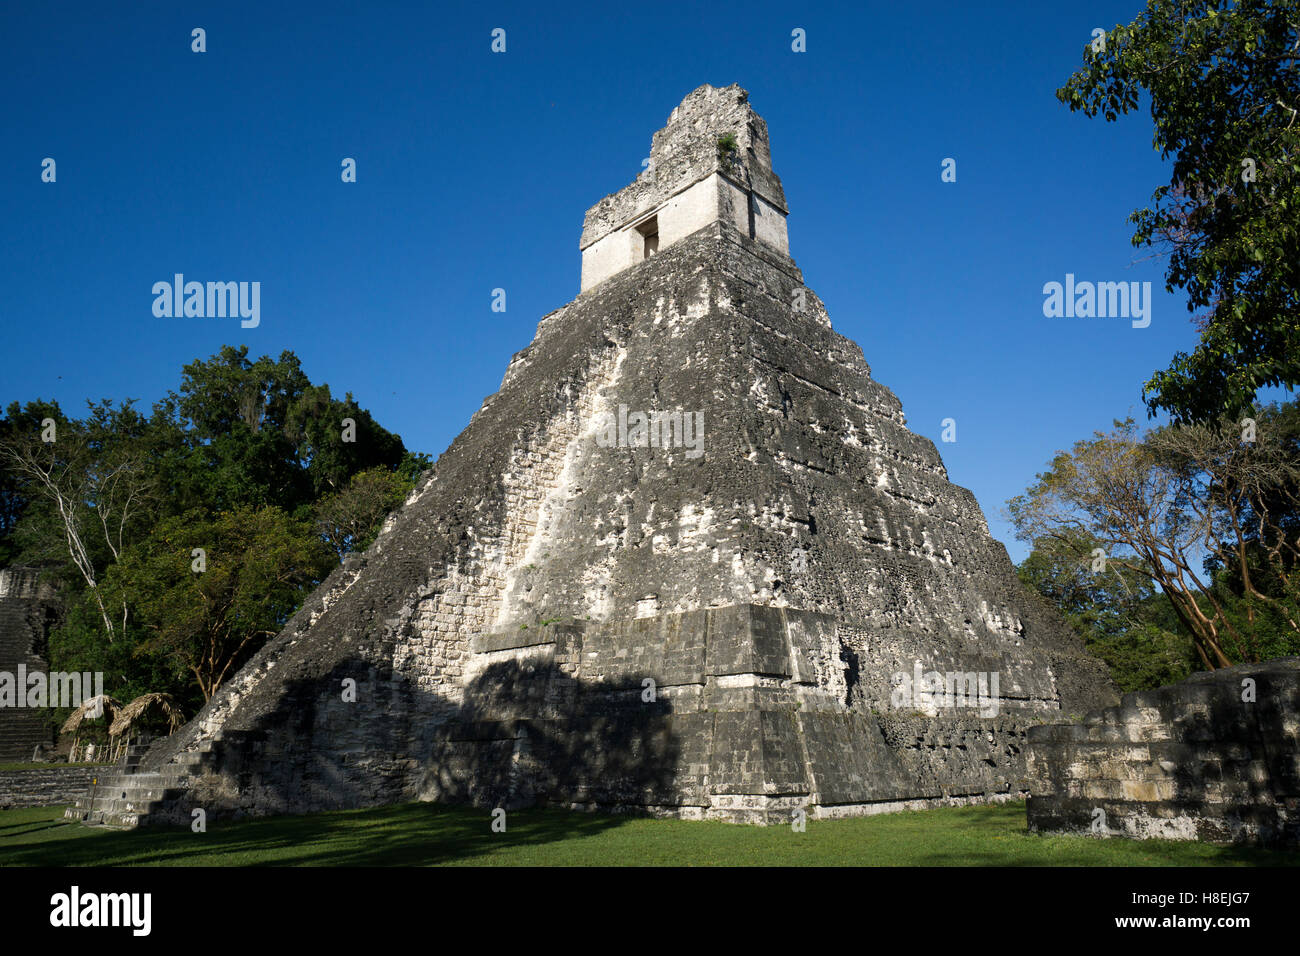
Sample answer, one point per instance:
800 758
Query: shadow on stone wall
1188 760
1236 764
526 735
529 735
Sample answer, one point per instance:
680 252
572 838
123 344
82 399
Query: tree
13 497
1271 515
262 433
92 474
1177 505
1244 492
1224 87
130 665
209 591
105 503
1120 616
350 520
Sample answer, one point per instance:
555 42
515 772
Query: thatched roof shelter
92 709
164 704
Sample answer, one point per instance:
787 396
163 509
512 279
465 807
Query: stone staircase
121 796
21 728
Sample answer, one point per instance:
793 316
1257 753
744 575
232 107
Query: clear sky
474 170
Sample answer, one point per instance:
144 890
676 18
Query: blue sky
474 170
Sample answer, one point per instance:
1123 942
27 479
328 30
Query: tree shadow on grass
1011 844
1136 853
408 835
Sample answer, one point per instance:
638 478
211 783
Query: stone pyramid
687 560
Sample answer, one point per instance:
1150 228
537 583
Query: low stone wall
1214 758
52 787
960 756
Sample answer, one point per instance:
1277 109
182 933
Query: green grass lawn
430 835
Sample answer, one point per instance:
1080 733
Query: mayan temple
688 560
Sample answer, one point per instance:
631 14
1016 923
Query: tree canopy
1223 82
1208 514
267 476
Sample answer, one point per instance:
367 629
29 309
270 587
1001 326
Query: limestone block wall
610 255
434 652
1216 757
716 198
748 721
23 584
691 209
44 787
769 224
961 756
742 721
733 206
